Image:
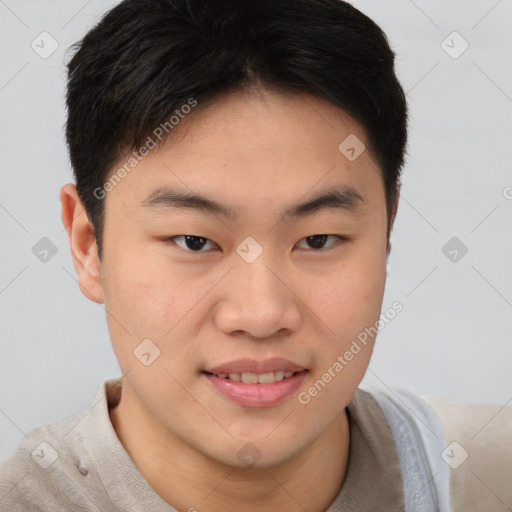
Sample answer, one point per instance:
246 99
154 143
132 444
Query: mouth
256 378
256 390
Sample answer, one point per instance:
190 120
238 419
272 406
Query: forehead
259 118
257 149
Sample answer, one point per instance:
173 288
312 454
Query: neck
188 479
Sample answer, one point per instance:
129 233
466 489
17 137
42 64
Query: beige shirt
80 465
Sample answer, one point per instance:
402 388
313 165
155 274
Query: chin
253 454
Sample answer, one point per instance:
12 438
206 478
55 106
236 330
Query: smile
255 378
256 390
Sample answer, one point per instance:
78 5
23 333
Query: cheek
351 296
140 288
349 308
349 312
148 298
138 300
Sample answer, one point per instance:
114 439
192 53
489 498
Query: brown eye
317 242
191 243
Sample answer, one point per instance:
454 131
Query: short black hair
146 59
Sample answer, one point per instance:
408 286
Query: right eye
190 243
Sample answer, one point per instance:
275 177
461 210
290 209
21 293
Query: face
272 281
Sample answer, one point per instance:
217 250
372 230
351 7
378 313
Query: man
237 174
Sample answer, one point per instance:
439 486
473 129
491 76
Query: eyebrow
344 198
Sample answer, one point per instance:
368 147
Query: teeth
266 378
250 378
256 378
278 375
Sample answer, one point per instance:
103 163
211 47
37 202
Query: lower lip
257 396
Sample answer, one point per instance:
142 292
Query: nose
259 301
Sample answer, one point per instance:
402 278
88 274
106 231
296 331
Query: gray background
453 337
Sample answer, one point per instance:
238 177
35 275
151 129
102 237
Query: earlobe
82 243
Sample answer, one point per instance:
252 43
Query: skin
257 151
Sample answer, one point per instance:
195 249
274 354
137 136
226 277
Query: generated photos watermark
160 133
342 361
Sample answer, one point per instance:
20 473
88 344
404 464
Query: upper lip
253 366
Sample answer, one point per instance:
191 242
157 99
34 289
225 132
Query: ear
393 215
82 243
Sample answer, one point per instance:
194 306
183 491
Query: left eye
197 243
318 240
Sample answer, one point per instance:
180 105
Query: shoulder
479 453
34 477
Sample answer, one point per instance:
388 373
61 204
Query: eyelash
170 240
